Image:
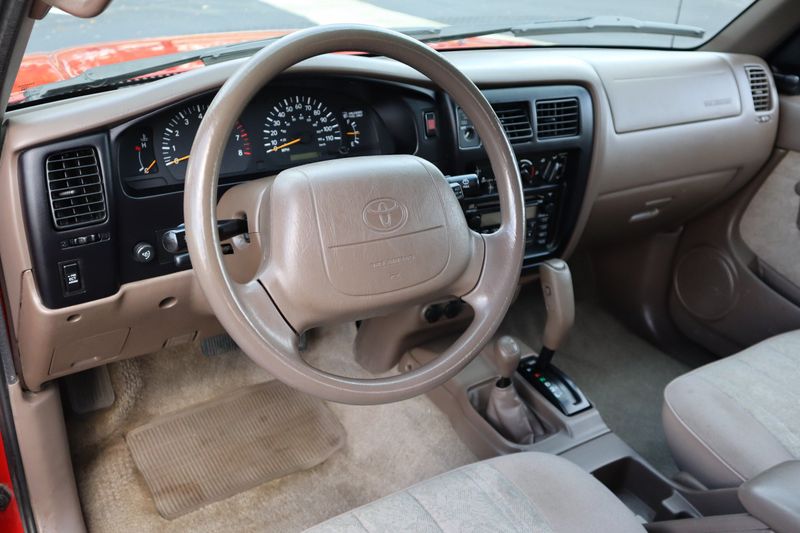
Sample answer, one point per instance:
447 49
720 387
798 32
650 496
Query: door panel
736 276
769 226
727 294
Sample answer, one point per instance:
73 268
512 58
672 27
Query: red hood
43 68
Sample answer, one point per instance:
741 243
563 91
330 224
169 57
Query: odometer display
301 129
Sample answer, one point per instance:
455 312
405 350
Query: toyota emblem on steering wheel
385 214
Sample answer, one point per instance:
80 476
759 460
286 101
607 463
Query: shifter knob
507 354
559 301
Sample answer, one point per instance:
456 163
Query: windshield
62 46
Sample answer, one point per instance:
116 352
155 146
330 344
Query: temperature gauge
138 158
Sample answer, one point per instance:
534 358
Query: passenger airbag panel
671 95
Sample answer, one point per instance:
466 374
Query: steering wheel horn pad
357 237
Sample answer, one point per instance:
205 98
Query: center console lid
772 496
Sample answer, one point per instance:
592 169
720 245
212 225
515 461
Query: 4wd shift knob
507 354
559 301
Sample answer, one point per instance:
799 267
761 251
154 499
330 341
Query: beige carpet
387 447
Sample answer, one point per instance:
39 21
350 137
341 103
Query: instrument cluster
281 128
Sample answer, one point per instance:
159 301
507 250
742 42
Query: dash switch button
430 124
71 277
144 252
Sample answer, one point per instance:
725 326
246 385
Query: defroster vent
557 118
75 185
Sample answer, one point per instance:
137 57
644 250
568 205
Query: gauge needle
178 160
352 132
284 145
151 165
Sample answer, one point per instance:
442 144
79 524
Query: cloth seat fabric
733 419
523 492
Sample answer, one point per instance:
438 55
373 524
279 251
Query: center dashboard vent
557 118
516 120
75 185
759 87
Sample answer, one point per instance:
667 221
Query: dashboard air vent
516 120
76 188
759 87
557 118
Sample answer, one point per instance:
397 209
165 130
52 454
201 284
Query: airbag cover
373 231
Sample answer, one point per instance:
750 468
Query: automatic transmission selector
559 301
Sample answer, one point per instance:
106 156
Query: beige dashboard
674 133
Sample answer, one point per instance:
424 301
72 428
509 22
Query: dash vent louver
75 186
516 120
557 118
759 87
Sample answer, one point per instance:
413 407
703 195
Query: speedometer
301 129
178 135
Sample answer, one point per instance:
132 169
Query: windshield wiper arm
105 76
600 24
110 75
115 73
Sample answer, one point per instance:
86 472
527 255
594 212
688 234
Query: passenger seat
731 420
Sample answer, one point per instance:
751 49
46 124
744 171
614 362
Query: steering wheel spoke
260 313
488 286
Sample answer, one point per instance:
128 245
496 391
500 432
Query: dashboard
612 145
118 223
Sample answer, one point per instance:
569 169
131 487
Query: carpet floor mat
213 450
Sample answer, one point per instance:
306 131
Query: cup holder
644 491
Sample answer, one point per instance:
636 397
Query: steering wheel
353 238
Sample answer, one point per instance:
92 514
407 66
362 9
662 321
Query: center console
512 398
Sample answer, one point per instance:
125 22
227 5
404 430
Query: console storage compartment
643 491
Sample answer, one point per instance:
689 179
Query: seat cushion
521 492
728 421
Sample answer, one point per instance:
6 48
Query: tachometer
178 135
301 129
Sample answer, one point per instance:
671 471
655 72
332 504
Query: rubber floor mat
216 449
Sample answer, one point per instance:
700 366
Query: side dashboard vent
759 87
75 185
557 118
516 120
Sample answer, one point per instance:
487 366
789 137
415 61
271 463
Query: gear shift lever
505 410
559 301
539 371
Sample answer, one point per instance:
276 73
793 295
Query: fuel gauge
352 130
138 158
